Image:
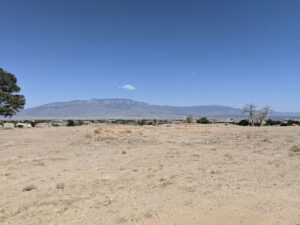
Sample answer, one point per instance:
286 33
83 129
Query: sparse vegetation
144 153
293 122
141 122
294 151
128 131
29 188
60 186
189 119
123 122
98 131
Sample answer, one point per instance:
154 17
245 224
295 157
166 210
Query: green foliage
10 101
70 123
290 123
243 123
271 122
293 122
141 122
203 120
160 122
120 121
189 119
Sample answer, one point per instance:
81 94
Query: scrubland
187 174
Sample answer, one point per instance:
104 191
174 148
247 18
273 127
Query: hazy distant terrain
127 109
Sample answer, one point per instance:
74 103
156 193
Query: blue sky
175 52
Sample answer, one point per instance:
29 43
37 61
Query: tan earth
151 175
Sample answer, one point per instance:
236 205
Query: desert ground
151 175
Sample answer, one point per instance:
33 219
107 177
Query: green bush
243 123
203 120
141 122
271 122
70 123
293 122
164 122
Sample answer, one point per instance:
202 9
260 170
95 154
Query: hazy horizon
179 53
74 100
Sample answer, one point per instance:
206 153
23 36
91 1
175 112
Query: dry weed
294 151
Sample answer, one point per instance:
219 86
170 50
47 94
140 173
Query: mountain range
129 109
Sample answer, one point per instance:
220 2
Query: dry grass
294 151
60 186
29 188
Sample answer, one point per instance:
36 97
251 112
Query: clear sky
175 52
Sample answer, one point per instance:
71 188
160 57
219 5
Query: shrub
293 122
163 122
70 123
29 188
60 186
141 122
203 120
271 122
243 123
290 123
189 119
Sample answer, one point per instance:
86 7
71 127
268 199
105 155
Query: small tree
10 101
250 108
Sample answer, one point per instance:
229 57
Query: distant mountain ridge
124 109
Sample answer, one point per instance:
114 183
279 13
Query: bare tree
262 115
250 108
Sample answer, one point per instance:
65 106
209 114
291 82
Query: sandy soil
151 175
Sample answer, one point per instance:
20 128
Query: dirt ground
150 175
